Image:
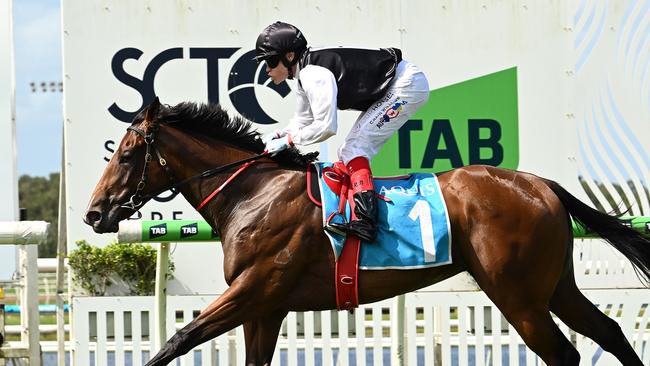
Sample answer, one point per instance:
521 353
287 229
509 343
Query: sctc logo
244 74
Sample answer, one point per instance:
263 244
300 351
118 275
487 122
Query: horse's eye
125 157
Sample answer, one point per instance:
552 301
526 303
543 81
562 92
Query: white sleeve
315 117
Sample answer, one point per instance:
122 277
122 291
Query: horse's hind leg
576 311
525 306
537 328
261 335
519 275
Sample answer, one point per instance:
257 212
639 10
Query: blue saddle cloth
414 230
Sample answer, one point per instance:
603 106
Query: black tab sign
158 231
189 230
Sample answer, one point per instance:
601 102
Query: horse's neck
247 191
199 161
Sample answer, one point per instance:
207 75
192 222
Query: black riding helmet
276 40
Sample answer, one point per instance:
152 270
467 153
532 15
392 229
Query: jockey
377 82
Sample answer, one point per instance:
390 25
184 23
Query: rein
137 200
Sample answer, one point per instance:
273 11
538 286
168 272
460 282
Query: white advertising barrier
512 84
8 174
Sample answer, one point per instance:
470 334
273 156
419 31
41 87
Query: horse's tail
631 243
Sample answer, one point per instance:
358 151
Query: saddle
413 225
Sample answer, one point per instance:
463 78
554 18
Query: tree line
39 196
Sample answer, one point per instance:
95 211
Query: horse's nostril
92 217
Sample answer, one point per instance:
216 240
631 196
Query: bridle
137 199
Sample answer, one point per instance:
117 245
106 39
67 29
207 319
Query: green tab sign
181 230
472 122
199 230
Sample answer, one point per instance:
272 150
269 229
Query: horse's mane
211 120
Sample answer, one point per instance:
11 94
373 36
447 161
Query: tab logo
472 122
158 231
189 230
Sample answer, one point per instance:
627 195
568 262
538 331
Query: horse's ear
152 110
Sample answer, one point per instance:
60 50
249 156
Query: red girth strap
347 266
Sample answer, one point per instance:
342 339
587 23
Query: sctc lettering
145 86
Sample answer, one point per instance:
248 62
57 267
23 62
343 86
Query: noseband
137 200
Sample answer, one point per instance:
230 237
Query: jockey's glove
272 136
276 145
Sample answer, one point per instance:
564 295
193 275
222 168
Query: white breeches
407 92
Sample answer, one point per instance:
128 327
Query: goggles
272 61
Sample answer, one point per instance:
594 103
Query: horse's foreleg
261 335
225 313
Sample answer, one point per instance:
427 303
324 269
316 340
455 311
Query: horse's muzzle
99 222
91 217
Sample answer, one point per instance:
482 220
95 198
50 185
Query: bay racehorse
511 231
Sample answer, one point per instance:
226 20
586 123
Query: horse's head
192 138
131 175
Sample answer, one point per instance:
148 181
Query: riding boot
365 201
365 226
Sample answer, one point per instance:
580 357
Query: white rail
24 233
447 323
442 328
597 266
